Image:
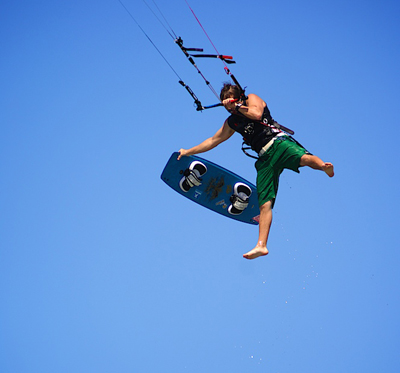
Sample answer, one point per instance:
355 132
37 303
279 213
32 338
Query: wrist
238 106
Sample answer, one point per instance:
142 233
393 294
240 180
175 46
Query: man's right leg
264 228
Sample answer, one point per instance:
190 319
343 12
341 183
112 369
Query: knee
266 206
305 159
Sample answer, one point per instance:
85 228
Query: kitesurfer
251 118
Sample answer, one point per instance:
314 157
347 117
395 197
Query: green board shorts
285 152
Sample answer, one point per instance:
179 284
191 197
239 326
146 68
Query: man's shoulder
252 97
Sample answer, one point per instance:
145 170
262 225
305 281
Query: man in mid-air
251 118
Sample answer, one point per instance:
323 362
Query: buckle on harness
249 129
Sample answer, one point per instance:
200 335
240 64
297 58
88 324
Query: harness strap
283 128
247 148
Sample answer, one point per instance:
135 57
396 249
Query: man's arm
223 134
254 108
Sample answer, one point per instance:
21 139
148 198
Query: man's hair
229 91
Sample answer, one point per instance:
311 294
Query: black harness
256 134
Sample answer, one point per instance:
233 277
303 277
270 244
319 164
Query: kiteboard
213 187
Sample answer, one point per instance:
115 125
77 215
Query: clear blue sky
103 268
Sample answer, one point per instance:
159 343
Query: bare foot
328 168
256 252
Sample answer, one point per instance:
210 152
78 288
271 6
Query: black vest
255 133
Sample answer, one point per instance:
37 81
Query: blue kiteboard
213 186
